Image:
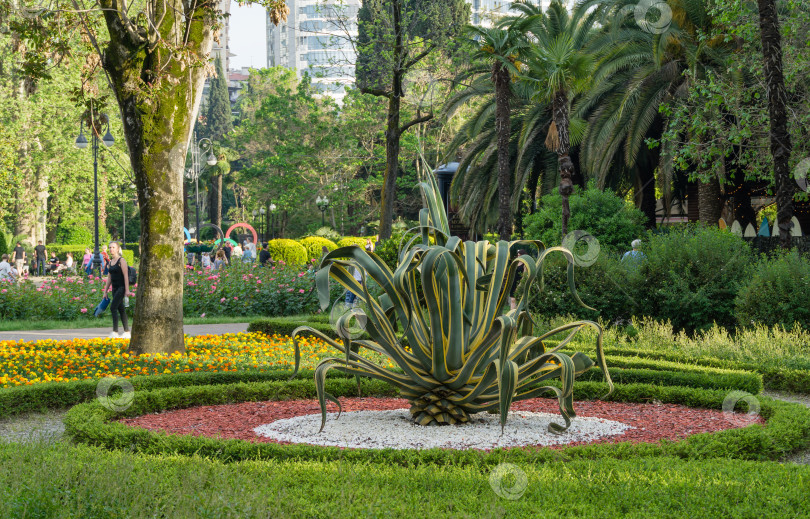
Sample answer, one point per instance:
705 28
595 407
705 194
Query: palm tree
559 65
636 73
777 107
499 49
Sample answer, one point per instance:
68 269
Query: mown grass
59 480
105 322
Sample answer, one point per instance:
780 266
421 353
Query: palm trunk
562 123
777 102
710 206
500 76
157 131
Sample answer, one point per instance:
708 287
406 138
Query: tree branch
416 59
377 92
418 120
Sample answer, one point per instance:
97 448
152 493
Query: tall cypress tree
218 123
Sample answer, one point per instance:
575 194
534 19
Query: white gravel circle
393 429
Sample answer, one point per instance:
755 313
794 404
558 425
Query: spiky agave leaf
446 300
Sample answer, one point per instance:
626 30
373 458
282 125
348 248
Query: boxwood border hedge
787 430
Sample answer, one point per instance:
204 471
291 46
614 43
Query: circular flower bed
298 421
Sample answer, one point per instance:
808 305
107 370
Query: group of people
247 252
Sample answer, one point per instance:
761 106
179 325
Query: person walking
634 256
5 269
118 281
19 257
228 250
41 254
220 260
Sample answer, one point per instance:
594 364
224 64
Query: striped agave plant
443 318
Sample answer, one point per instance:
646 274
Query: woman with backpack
118 280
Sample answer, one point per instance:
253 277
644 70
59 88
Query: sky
247 33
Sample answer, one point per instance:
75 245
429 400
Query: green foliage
314 246
351 240
328 233
776 293
39 481
4 246
288 251
602 214
218 119
692 275
75 233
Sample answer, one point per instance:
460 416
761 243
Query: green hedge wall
315 244
788 428
288 251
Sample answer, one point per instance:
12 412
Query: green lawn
104 322
61 480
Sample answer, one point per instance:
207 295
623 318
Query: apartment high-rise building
222 49
314 39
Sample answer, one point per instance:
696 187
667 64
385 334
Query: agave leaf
507 383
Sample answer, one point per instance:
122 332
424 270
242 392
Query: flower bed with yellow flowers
28 363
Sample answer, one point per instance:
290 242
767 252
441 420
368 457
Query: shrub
328 233
288 251
777 293
4 246
602 214
692 275
314 246
608 285
351 240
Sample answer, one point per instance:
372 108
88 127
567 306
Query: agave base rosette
441 319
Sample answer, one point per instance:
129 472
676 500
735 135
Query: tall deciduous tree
394 36
217 123
777 109
156 58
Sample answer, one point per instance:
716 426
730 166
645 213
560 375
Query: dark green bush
602 214
286 325
609 286
777 293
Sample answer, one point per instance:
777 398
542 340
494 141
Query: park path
91 333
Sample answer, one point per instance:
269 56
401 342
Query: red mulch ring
651 422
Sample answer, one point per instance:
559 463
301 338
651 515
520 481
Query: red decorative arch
246 226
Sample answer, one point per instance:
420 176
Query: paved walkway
90 333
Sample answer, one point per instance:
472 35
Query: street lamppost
194 172
272 218
94 126
323 205
262 226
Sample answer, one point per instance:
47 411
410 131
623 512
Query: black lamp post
96 120
194 172
323 205
262 226
272 219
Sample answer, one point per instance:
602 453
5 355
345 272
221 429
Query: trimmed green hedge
285 325
314 246
788 428
60 395
779 379
714 379
351 240
288 251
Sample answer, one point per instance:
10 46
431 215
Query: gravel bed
393 429
34 427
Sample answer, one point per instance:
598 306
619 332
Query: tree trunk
560 115
157 130
777 101
500 76
710 206
215 201
391 168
